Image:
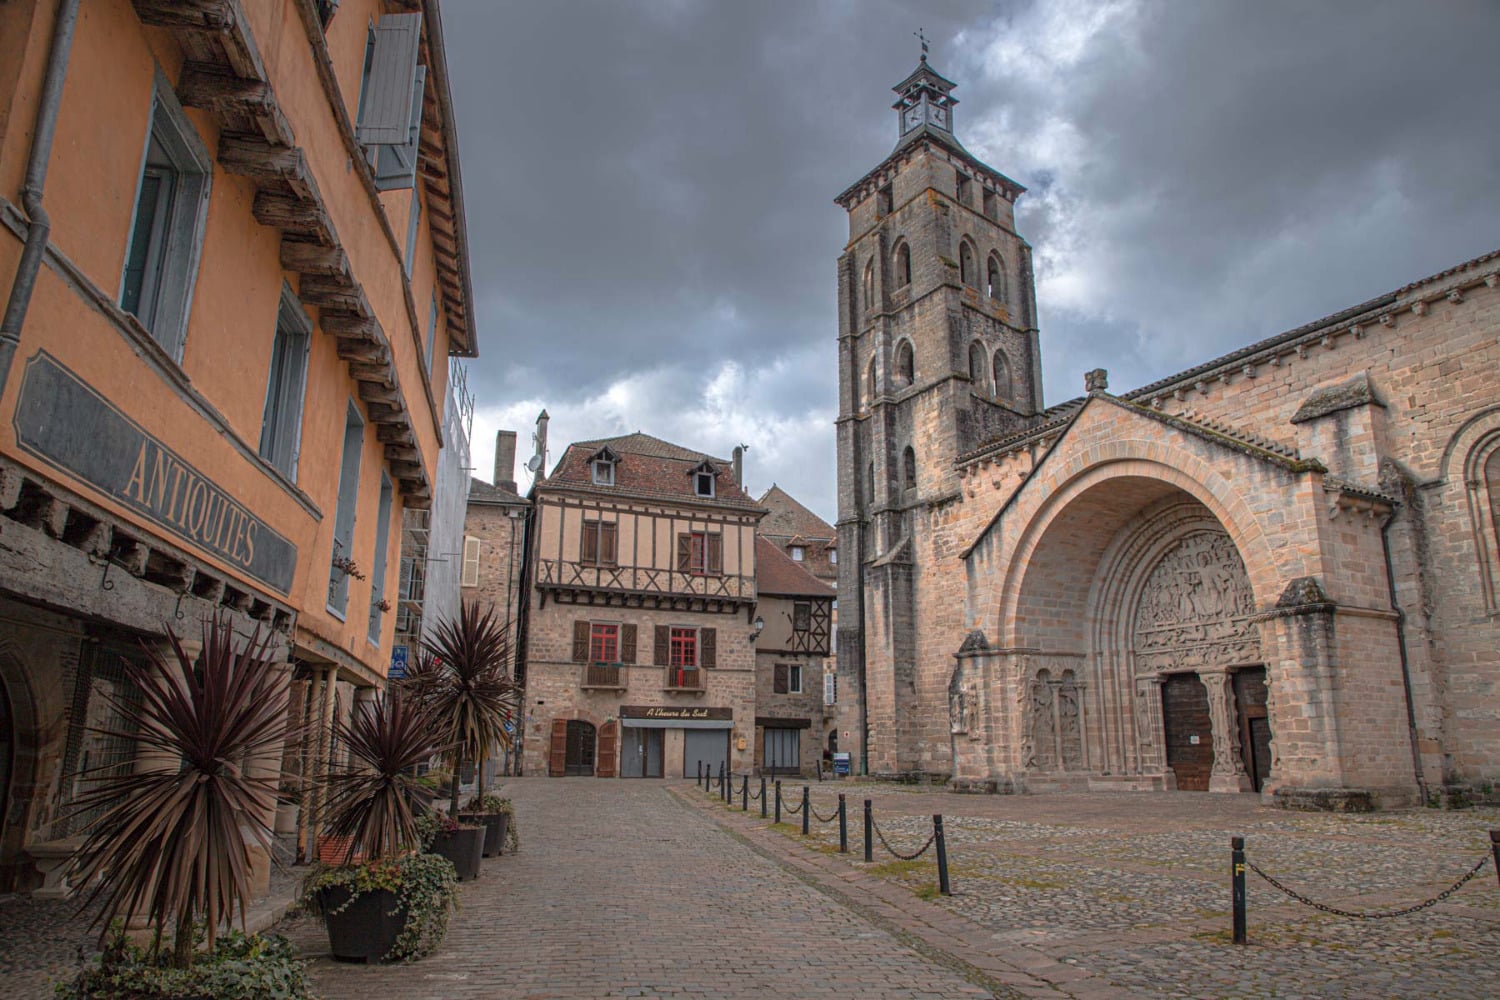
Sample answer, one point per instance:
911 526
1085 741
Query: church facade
1275 572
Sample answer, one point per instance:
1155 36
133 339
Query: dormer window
602 467
799 553
703 480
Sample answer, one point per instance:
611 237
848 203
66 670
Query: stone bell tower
938 351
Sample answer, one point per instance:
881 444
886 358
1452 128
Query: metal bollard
843 826
869 832
1237 880
762 796
806 809
745 795
778 801
942 855
700 772
1495 848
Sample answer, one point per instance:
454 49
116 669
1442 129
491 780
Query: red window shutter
627 643
715 554
663 651
588 549
608 532
608 750
685 553
580 641
557 755
780 684
708 642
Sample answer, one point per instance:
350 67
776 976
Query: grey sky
650 184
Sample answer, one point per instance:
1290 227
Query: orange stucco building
232 239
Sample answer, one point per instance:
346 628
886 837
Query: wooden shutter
661 655
780 685
557 752
627 643
385 102
685 552
581 636
607 752
396 165
715 554
471 562
588 547
708 647
608 532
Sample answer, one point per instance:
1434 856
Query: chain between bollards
806 812
869 831
843 826
944 886
1237 882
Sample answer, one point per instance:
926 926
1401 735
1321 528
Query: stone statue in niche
958 701
1028 726
1070 723
1042 708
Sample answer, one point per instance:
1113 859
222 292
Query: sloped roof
483 492
789 519
777 574
649 468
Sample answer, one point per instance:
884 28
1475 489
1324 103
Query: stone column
1229 769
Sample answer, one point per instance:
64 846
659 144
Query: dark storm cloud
650 186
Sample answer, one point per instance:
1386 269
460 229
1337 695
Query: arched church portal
1142 659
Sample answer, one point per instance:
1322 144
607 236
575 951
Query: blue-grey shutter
396 165
385 104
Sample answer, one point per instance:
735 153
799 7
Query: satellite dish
533 463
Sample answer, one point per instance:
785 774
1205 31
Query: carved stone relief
1052 736
1195 609
1070 723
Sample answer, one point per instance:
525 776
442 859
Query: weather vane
923 39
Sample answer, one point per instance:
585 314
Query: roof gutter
40 224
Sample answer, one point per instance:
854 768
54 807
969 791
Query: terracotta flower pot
464 847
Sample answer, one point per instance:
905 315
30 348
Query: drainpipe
31 192
1411 712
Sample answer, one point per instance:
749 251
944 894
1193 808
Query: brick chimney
505 460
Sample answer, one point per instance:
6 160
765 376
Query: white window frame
799 553
603 472
794 678
175 238
702 478
470 573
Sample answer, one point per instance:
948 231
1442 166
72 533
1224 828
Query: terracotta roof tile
650 467
776 573
789 519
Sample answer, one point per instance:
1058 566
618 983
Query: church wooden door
1255 726
1189 733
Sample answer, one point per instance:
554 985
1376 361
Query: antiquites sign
68 424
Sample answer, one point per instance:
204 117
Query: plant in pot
384 899
463 679
172 841
499 817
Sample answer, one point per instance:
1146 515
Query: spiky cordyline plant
465 683
172 838
370 799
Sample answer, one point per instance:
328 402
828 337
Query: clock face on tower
938 116
912 117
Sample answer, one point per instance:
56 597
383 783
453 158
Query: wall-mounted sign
68 424
400 658
666 712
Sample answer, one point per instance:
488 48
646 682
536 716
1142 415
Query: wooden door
557 750
608 752
1250 699
1189 733
579 757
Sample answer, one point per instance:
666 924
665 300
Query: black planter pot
496 825
464 847
365 930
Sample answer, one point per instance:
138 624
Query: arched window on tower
1492 487
995 278
870 483
903 265
870 382
868 288
906 372
908 469
977 367
1002 376
966 270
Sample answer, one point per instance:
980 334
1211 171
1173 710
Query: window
830 689
703 480
684 647
991 204
166 235
883 201
966 269
961 188
787 679
342 564
802 616
597 545
833 556
978 364
700 553
414 226
470 576
377 570
390 100
995 278
909 469
905 364
604 473
432 320
870 482
869 287
870 380
604 643
903 265
281 424
798 552
1002 375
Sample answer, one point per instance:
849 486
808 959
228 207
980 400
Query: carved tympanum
1195 608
